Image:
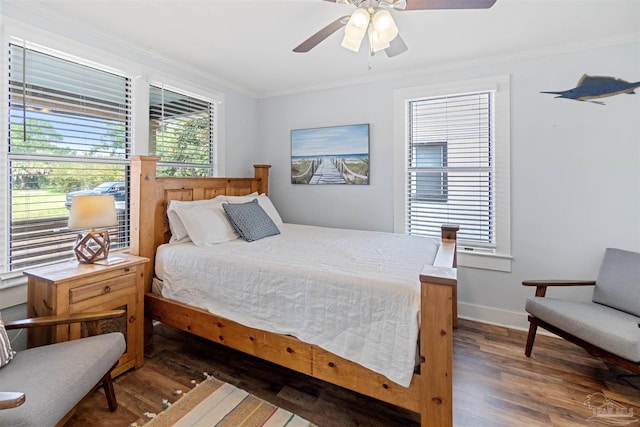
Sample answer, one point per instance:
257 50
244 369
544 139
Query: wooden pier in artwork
327 173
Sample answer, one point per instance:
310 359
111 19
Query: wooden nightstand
71 287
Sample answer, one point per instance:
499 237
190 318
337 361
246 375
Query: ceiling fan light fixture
373 16
358 22
376 42
356 29
352 44
384 26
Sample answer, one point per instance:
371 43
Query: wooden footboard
430 392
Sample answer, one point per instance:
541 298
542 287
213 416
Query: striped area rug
216 403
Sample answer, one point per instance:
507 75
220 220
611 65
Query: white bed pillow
268 207
178 231
239 199
264 202
206 224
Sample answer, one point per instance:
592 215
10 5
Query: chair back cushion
618 282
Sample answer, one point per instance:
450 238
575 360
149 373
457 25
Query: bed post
142 231
142 234
437 290
262 172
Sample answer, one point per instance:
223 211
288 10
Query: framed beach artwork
330 155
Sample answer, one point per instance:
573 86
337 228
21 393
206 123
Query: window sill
485 261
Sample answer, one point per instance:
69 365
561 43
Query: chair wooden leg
533 327
109 391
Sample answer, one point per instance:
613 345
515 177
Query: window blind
450 177
69 133
182 133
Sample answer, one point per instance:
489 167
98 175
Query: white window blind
450 176
69 133
182 133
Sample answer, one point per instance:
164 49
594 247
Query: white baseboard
11 296
496 316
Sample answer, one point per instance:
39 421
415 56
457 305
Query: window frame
215 146
468 255
9 156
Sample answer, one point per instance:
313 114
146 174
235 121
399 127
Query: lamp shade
93 211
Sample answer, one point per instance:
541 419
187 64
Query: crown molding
466 64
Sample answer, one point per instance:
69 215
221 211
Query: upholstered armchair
609 325
41 386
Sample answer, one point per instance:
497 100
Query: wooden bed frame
430 391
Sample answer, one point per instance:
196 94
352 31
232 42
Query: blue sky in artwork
337 140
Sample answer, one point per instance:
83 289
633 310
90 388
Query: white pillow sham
206 224
178 231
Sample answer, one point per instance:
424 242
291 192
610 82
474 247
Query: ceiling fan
372 18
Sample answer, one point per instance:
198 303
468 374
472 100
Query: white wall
575 169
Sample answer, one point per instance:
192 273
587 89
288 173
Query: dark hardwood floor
494 383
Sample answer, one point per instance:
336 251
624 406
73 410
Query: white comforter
353 293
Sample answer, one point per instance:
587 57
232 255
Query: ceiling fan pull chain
371 52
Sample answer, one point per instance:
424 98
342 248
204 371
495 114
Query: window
69 134
453 154
181 129
427 172
458 189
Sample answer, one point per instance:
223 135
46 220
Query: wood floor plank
494 384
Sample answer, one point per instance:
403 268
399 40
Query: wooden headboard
150 196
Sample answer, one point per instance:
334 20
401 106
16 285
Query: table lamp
92 211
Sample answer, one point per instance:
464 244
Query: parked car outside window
115 188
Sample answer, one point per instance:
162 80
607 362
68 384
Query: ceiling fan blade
396 47
313 41
448 4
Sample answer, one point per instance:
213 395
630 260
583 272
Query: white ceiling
248 43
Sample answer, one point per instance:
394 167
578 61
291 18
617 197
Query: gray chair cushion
56 377
618 282
612 330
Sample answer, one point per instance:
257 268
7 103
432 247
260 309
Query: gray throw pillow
6 353
618 283
250 220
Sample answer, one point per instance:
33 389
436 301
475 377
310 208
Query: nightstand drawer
103 287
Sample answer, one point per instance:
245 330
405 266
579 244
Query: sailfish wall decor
592 87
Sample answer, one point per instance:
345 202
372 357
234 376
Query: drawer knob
132 319
107 289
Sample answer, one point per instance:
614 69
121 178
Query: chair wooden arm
91 318
541 285
11 399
